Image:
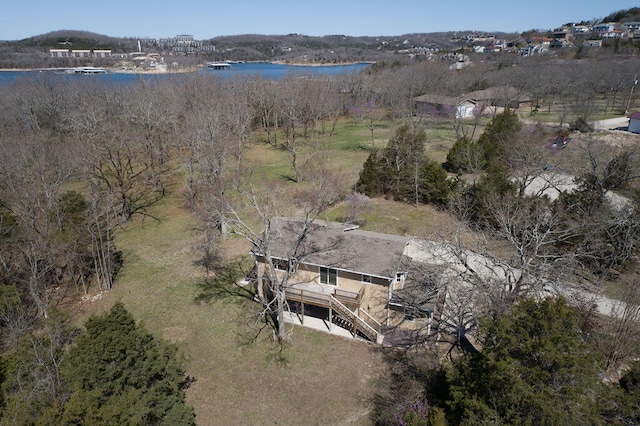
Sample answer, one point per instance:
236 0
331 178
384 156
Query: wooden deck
344 305
320 295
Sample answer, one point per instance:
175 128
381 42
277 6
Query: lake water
247 69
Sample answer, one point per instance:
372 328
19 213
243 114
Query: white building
59 53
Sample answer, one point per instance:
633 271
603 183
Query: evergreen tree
495 140
535 368
402 157
433 186
120 374
402 170
370 177
465 156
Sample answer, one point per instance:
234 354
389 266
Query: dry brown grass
317 378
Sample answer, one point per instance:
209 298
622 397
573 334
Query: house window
328 276
366 279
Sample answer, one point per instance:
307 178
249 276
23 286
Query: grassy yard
317 378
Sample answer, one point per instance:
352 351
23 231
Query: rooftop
340 246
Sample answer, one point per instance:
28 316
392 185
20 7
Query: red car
559 141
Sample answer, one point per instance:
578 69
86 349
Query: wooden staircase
346 318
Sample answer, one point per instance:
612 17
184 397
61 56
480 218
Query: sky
205 19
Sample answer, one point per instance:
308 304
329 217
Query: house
344 276
499 96
612 34
592 43
102 53
603 28
559 43
466 104
81 53
532 49
581 29
633 28
634 122
443 106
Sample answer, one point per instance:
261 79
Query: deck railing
322 297
371 321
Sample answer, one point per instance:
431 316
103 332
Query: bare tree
605 167
255 216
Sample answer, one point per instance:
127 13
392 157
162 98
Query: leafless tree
255 216
608 166
153 114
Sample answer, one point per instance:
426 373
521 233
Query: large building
79 53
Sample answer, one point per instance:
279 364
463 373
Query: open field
318 378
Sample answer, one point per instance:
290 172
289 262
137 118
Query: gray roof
339 246
421 288
436 99
502 93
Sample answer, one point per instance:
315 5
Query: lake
246 69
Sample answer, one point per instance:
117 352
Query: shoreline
193 68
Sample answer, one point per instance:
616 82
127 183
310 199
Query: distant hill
77 40
337 48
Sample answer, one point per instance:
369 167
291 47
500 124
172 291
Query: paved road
620 123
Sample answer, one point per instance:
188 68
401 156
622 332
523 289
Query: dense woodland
79 160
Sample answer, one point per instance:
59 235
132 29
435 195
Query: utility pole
635 81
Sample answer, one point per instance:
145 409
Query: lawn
317 378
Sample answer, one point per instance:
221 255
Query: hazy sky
207 19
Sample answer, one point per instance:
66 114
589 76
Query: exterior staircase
346 318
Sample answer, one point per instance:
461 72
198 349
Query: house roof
421 287
634 115
435 99
339 246
442 100
498 92
504 93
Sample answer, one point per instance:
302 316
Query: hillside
33 52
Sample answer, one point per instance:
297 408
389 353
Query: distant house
633 28
347 276
559 43
81 53
634 122
580 29
499 96
612 34
104 53
603 28
532 49
443 106
465 105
